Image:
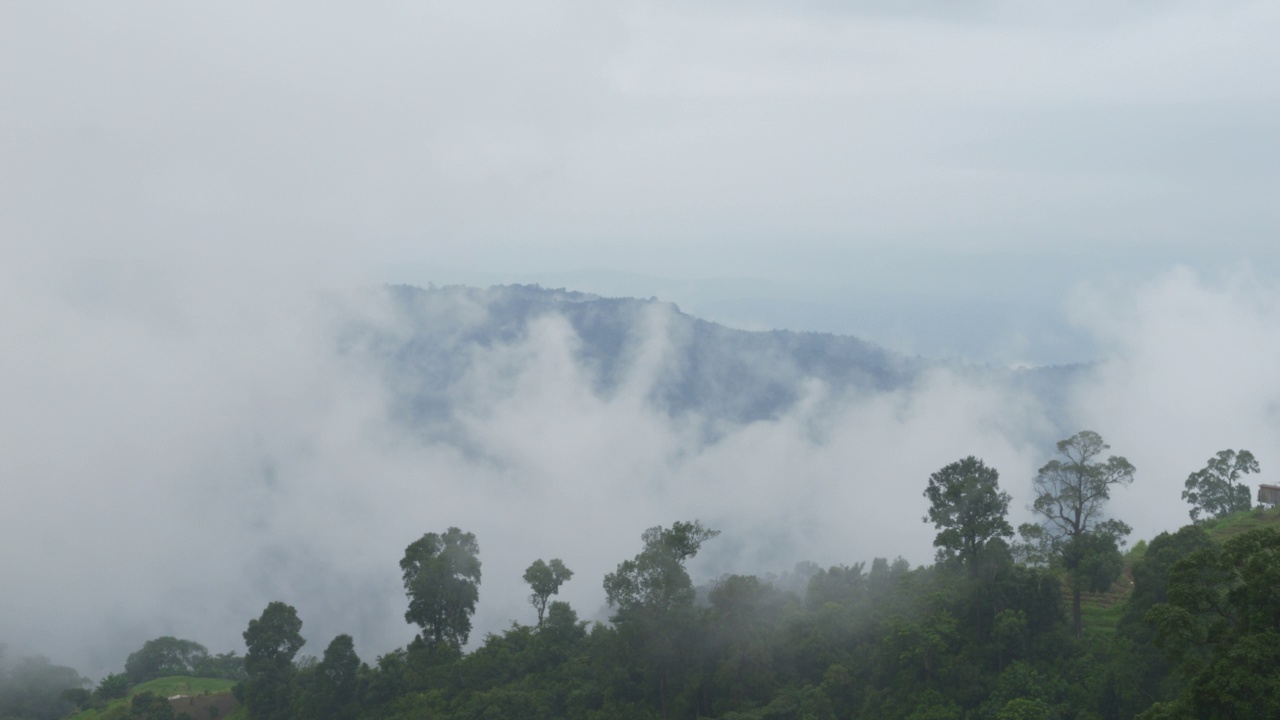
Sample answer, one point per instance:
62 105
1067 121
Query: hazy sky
868 166
998 181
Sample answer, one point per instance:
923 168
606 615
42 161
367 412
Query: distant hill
719 373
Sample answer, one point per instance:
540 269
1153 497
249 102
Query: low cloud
172 470
1190 370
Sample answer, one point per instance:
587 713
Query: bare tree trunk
1075 610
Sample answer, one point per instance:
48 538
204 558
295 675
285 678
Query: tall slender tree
1071 496
545 579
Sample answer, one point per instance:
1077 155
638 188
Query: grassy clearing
1099 619
164 687
1100 613
183 685
1224 529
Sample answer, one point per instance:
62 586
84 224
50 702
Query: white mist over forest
180 468
194 199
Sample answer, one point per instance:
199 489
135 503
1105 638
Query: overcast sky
865 166
1002 182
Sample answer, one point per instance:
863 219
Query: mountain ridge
433 335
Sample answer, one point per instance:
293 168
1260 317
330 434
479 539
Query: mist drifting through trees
268 315
297 451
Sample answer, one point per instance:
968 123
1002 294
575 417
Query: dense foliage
1215 489
442 578
35 689
983 634
166 656
1075 533
968 508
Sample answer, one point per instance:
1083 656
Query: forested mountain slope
684 364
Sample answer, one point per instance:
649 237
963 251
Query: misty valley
520 502
639 360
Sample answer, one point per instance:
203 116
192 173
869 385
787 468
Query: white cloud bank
171 469
181 445
1191 371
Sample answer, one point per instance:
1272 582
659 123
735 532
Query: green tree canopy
151 706
1151 574
968 509
1071 496
545 580
328 690
272 641
113 686
34 688
656 579
841 584
654 599
1221 626
164 656
1215 489
442 579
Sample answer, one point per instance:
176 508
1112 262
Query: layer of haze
171 469
936 176
181 444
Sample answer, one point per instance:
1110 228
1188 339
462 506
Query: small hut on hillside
1269 495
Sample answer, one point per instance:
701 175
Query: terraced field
1100 612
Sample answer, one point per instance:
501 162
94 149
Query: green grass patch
164 687
1100 620
183 685
1225 528
1100 612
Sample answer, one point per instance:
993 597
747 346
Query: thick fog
171 466
795 142
195 198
